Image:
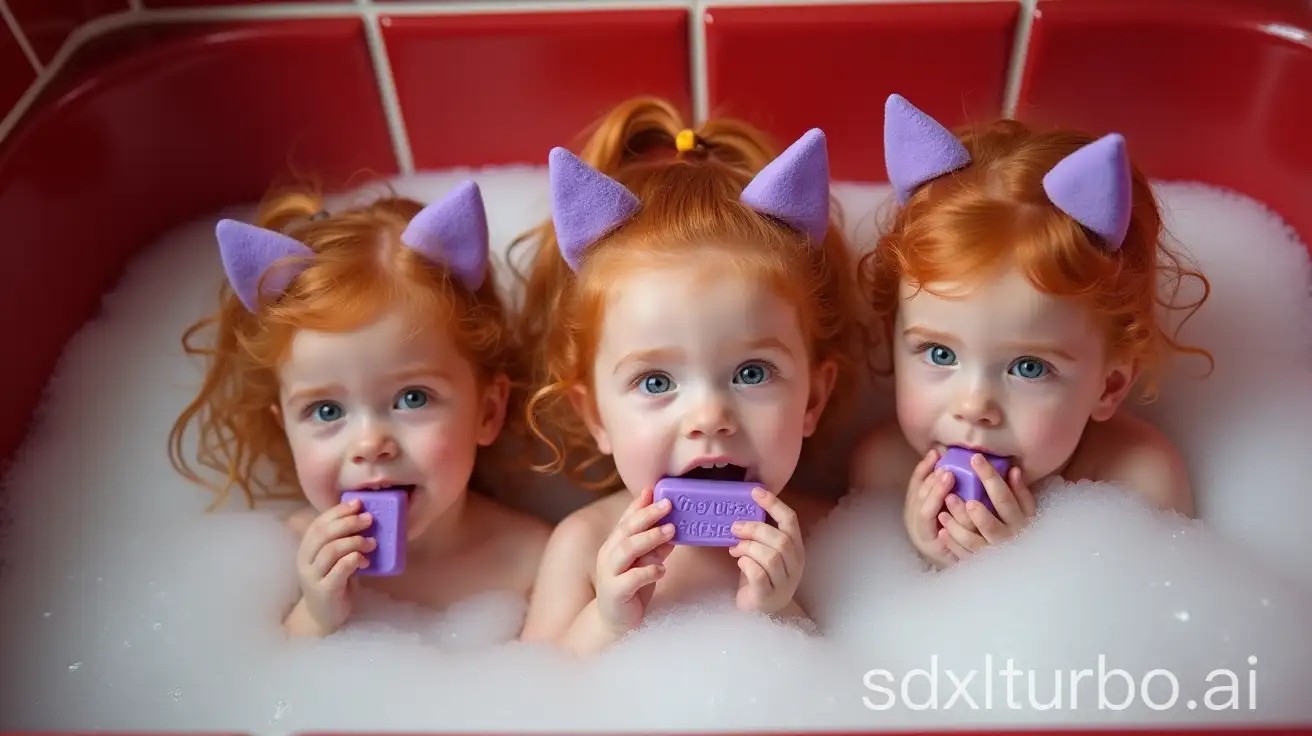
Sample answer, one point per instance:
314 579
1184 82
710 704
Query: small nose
711 417
375 444
977 405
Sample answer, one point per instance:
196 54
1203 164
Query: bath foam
127 607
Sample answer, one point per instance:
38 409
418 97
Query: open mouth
717 471
408 489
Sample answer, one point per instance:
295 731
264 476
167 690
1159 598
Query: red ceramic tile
16 72
47 23
163 125
789 69
505 88
1205 90
211 3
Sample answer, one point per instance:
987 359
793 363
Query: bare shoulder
519 535
579 535
1133 453
882 460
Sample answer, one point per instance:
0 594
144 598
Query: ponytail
689 181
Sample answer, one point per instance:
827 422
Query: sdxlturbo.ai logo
1110 689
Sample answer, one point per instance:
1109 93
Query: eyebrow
768 343
669 355
318 392
654 355
929 334
312 394
1041 348
424 372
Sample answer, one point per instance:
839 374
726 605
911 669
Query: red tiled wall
789 69
47 23
16 73
1217 91
505 88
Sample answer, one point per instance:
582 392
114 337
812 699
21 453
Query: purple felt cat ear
453 232
585 204
1092 185
917 148
249 251
795 186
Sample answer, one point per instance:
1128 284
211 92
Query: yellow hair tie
685 141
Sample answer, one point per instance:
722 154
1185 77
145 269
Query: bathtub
126 117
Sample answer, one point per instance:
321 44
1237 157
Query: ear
822 385
1117 382
277 414
492 412
587 410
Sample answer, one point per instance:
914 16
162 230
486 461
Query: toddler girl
694 321
356 351
1019 289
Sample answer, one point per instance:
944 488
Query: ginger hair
690 199
967 226
359 271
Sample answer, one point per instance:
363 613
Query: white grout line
405 159
20 37
787 3
698 17
1019 54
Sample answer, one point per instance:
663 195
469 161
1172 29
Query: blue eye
327 411
655 383
412 398
1029 368
752 374
940 355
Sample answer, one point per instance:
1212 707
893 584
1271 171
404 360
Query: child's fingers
330 554
628 550
769 559
997 490
340 573
781 512
641 518
634 580
922 472
954 549
939 485
1024 497
968 540
957 508
788 549
989 527
316 538
755 574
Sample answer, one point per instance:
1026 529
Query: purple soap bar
388 527
703 511
967 485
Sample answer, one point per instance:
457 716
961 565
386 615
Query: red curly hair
967 226
360 270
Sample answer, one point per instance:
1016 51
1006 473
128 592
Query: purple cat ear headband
1092 184
586 204
451 231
